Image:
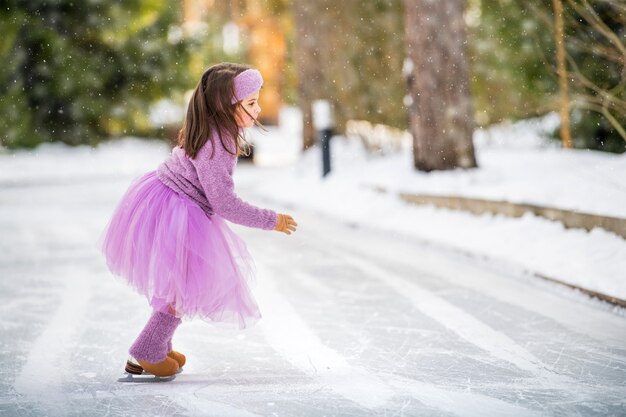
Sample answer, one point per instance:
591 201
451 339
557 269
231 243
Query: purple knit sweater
209 183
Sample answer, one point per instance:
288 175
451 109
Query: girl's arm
215 176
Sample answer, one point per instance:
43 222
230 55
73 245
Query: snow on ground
516 163
366 311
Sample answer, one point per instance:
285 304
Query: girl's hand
286 224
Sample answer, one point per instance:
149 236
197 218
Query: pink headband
246 83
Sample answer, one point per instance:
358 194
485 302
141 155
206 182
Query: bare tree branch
592 17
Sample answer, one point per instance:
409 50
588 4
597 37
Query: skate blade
145 378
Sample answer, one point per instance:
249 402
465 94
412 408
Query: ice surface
358 321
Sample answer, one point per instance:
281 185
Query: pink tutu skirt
166 247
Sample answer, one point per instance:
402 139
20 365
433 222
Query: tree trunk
266 53
307 54
441 117
566 136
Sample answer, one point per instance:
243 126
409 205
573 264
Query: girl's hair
211 109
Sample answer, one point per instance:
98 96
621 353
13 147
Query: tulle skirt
166 247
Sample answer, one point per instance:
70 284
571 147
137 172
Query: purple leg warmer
152 343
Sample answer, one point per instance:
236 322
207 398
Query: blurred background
465 255
82 72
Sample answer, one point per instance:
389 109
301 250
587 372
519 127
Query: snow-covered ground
367 309
517 163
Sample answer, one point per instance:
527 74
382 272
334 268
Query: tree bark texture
566 136
308 57
441 113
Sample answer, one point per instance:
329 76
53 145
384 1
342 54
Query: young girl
168 237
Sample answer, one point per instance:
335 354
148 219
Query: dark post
325 139
323 123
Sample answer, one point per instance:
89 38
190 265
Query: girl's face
250 105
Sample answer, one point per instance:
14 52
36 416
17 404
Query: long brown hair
210 109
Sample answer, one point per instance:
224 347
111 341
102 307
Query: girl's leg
151 347
177 356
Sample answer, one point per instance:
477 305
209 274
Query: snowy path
356 323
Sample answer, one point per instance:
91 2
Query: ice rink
356 322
